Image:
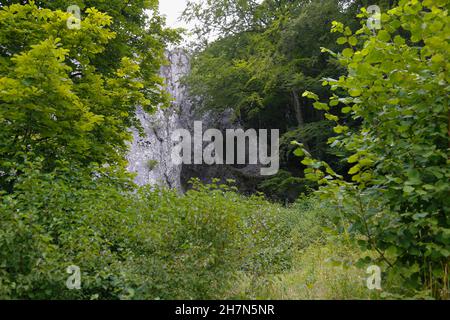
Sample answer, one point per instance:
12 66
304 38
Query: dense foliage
386 163
264 57
68 98
397 86
153 244
59 100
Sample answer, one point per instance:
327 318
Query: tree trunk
299 116
298 109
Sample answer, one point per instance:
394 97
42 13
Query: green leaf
331 117
342 40
299 152
348 53
354 170
414 177
384 36
321 106
340 129
310 95
354 158
355 92
366 162
353 41
346 109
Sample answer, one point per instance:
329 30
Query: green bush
285 187
148 243
397 87
315 135
55 220
290 183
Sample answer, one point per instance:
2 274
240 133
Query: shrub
397 86
148 243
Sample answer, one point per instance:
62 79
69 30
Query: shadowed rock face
150 154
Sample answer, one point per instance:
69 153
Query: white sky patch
173 9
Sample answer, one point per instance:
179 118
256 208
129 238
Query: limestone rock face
150 154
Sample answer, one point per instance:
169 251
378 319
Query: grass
321 271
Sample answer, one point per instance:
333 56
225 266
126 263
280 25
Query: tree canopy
70 94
